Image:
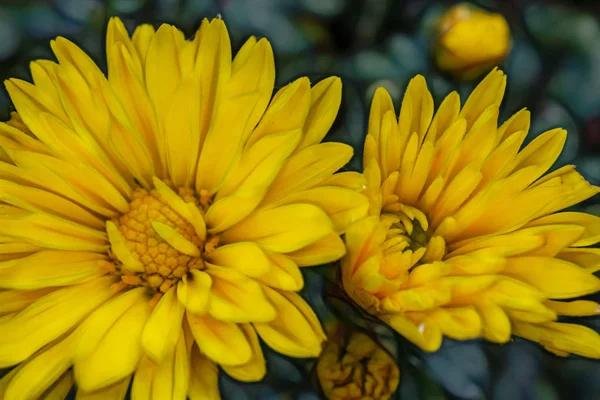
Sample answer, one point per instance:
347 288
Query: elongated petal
48 268
307 168
49 317
562 338
223 342
255 369
16 300
162 330
115 391
204 376
558 279
171 376
343 206
249 181
237 298
118 353
245 257
326 250
41 372
325 100
426 335
282 229
194 292
244 99
283 273
293 332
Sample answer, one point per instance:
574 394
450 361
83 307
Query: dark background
553 69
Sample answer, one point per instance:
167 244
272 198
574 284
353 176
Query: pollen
162 265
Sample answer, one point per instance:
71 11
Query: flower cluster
154 222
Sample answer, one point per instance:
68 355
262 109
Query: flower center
409 233
155 246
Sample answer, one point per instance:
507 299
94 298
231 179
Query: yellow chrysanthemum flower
353 366
471 41
465 238
152 223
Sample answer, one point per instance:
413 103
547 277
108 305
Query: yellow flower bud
354 366
471 41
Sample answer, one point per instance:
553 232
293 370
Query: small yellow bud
354 366
471 41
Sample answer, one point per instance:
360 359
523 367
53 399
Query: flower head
354 366
153 222
466 237
471 40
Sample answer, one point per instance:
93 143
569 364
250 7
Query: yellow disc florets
152 233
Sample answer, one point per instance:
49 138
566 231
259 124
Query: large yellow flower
152 223
465 237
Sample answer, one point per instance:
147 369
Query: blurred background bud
471 41
354 366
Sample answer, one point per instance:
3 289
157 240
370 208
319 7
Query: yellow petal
556 278
114 391
577 308
142 36
296 331
162 75
249 181
80 183
459 323
426 335
223 342
325 100
348 179
118 353
565 338
16 300
381 104
342 205
121 249
204 376
417 109
445 116
282 229
187 211
283 273
328 249
194 292
287 111
51 232
237 298
141 389
244 99
50 317
496 325
97 325
50 268
213 66
37 200
175 239
244 257
308 167
60 389
255 369
182 133
588 259
162 330
489 92
171 377
39 373
542 152
589 222
127 83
